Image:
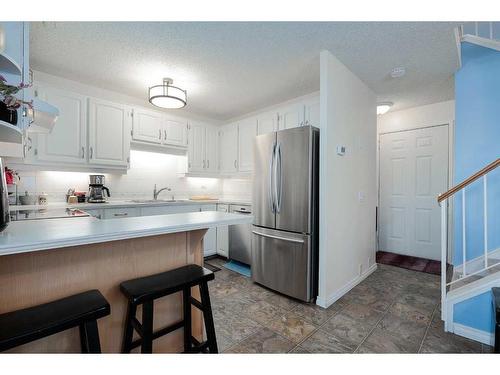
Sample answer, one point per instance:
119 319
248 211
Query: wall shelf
9 65
10 133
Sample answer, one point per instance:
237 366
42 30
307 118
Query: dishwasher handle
242 212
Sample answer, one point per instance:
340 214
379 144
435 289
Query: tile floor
394 310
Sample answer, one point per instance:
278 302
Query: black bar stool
33 323
143 291
496 312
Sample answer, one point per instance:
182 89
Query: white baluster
464 246
444 257
485 210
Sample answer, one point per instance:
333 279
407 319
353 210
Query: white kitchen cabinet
97 213
223 234
147 126
247 131
311 112
291 116
166 210
267 122
116 213
196 147
175 132
109 133
212 149
210 239
228 144
67 142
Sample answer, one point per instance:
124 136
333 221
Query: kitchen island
43 260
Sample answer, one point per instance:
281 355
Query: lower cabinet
223 234
210 240
116 213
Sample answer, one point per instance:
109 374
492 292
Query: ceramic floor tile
410 312
314 313
236 328
402 328
282 301
322 342
263 312
438 341
348 331
362 313
299 350
292 326
263 341
382 342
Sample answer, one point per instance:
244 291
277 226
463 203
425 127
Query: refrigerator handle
278 237
271 179
278 187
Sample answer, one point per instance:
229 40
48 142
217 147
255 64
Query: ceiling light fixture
398 72
383 107
167 96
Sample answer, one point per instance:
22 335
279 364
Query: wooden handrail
469 180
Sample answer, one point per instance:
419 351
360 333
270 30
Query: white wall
146 169
347 223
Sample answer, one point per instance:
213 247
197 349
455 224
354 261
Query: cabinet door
291 116
117 213
196 147
247 131
212 149
109 133
228 159
147 126
267 123
223 234
312 112
210 239
67 142
175 132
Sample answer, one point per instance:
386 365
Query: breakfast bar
41 261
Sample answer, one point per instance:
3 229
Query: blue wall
477 143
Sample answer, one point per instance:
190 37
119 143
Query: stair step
469 280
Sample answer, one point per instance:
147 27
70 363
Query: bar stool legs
186 305
89 337
208 318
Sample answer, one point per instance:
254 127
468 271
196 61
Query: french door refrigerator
285 228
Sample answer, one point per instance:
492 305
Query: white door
67 142
196 147
211 149
228 157
247 131
267 123
147 126
175 132
311 112
109 133
413 171
291 116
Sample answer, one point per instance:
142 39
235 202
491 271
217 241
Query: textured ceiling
230 69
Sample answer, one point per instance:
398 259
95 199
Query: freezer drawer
282 261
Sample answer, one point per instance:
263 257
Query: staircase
485 34
472 276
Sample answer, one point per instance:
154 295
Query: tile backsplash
146 169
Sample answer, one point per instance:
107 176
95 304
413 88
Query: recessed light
383 107
398 72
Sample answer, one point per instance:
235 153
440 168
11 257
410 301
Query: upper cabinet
202 148
156 128
212 149
109 133
267 122
291 116
228 144
247 131
311 112
175 132
147 126
67 143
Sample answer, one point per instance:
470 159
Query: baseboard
332 298
484 337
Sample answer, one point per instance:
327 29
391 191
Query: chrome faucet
156 192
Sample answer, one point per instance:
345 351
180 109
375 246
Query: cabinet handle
91 152
208 164
236 163
123 214
203 164
159 134
165 134
83 152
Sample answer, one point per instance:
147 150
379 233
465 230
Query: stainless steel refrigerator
285 228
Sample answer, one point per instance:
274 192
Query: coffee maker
97 189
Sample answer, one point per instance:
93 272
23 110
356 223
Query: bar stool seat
144 290
33 323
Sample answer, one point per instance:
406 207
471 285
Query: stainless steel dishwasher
240 236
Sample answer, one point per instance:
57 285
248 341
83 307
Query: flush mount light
383 107
398 72
167 96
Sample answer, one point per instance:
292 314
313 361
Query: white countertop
36 235
127 203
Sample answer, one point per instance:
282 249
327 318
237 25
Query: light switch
341 150
361 196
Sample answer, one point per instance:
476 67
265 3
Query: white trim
484 337
332 298
483 42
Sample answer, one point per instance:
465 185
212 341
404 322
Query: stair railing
443 200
